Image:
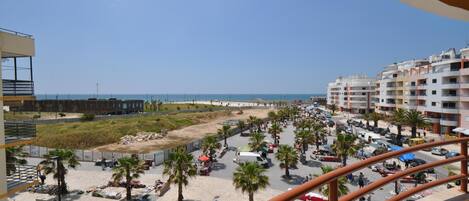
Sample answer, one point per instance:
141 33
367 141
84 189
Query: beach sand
227 103
184 135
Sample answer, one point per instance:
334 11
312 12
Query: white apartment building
353 94
438 87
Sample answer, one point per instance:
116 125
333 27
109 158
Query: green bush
36 116
62 114
87 117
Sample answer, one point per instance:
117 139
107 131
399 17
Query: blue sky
221 46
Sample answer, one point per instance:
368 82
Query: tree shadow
313 163
218 166
293 179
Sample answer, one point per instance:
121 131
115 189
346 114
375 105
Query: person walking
361 180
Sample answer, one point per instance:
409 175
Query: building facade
353 94
16 52
438 87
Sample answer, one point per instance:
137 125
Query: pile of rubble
142 137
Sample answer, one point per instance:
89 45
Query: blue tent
405 157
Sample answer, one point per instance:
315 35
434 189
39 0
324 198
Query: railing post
333 190
463 164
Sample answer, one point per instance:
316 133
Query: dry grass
85 135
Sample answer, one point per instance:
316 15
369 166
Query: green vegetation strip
85 135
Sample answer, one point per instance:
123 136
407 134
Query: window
363 94
394 75
434 81
412 84
434 92
363 88
433 103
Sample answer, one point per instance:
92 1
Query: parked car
417 161
439 151
451 154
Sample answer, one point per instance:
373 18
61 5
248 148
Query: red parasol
203 158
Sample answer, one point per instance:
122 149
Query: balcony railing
18 87
16 33
20 175
17 131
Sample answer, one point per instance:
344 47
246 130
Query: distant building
438 87
353 94
90 106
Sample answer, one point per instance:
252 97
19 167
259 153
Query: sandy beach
184 135
227 103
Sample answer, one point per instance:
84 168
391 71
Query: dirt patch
184 135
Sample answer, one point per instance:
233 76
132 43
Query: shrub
36 116
178 108
62 114
87 117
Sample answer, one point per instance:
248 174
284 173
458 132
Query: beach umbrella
203 158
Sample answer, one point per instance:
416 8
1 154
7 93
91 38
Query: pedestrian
43 178
103 164
361 180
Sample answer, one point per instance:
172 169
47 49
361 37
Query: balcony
20 177
450 97
448 122
17 133
18 87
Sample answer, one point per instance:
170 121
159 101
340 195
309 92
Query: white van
243 157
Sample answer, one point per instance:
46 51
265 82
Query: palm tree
128 168
398 118
319 133
341 182
251 122
241 126
375 117
345 146
209 145
272 116
288 156
179 167
304 137
12 159
258 124
225 133
415 119
333 107
55 163
257 142
367 118
250 177
275 129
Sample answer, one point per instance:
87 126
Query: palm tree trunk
180 197
376 124
287 172
344 160
251 196
226 143
414 131
128 187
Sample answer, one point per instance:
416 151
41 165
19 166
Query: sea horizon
184 97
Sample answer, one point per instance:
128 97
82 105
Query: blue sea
186 97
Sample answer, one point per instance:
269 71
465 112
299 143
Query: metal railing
21 175
17 130
16 33
332 177
18 87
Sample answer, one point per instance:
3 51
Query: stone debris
142 137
